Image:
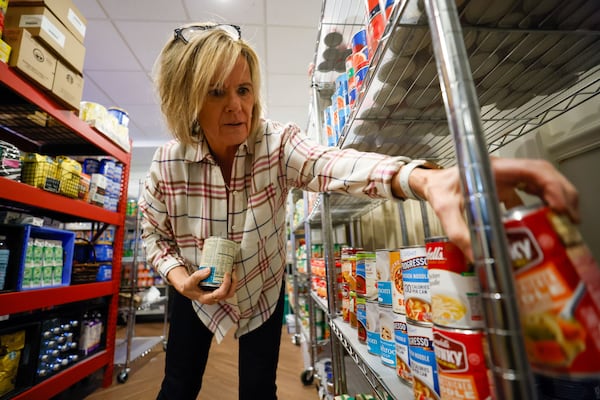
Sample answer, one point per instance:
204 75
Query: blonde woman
227 173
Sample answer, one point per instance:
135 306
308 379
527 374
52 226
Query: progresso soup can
417 297
558 289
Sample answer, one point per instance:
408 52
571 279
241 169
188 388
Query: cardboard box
68 86
64 10
31 58
43 25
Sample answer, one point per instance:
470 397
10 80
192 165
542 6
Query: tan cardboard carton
68 86
64 10
43 25
31 57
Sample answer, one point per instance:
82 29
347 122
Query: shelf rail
511 372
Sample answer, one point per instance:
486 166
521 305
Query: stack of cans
458 322
385 259
419 324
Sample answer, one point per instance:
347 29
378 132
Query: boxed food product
64 10
30 57
43 25
68 86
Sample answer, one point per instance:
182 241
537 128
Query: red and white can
461 364
454 286
558 289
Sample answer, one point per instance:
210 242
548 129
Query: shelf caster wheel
123 376
307 377
296 339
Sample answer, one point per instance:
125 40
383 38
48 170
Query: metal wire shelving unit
453 82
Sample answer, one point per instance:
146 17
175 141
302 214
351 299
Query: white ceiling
124 37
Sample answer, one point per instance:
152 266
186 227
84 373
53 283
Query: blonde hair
184 73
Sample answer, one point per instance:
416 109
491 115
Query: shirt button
233 227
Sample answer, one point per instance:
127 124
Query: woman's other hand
188 285
442 190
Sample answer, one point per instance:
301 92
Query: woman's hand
187 285
442 190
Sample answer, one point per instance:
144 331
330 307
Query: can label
387 343
353 309
345 301
218 254
384 262
460 358
398 304
401 338
361 319
366 275
416 283
422 361
455 291
558 288
373 337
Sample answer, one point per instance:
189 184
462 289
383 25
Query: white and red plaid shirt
185 201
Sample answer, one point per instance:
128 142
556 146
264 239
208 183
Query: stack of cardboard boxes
46 37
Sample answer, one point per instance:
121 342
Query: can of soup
401 338
218 254
461 363
422 361
455 291
558 289
417 297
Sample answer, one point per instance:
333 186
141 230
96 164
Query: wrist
413 179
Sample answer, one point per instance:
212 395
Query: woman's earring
195 128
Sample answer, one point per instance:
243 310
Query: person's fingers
540 178
222 291
200 274
209 297
455 227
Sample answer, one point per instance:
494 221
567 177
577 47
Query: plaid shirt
185 200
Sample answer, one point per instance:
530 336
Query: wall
572 143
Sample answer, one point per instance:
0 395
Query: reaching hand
442 190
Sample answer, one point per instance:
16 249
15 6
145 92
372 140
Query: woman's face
226 114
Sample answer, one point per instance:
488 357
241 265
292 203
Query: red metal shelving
60 133
61 381
17 302
34 197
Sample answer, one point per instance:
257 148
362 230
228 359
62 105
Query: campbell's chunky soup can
558 289
415 278
454 286
461 364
